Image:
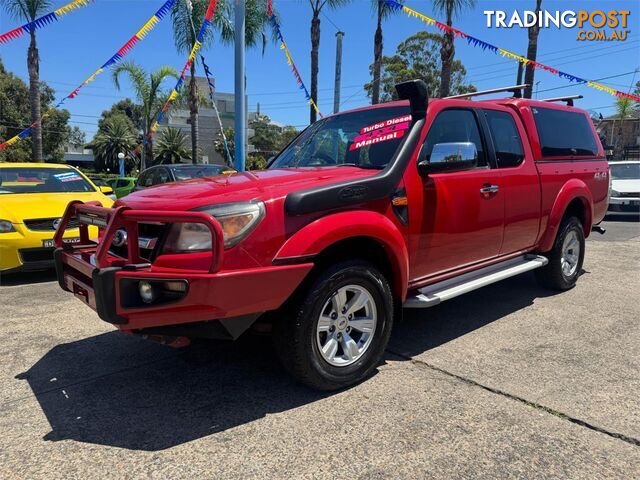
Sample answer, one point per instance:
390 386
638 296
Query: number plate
49 243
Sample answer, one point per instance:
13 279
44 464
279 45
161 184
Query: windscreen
365 138
625 171
42 180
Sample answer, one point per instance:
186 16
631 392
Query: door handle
488 190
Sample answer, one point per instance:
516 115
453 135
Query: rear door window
506 139
564 133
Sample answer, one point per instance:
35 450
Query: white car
624 197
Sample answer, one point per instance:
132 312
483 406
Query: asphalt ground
510 381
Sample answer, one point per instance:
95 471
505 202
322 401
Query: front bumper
624 204
109 284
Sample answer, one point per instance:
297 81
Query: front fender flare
320 234
571 190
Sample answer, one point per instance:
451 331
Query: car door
459 217
520 180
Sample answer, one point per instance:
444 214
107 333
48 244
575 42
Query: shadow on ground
25 278
120 391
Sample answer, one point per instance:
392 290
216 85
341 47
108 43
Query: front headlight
237 220
6 226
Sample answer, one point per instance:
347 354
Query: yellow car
33 197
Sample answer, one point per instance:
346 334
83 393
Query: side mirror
106 190
450 157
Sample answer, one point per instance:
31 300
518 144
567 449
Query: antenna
515 89
569 99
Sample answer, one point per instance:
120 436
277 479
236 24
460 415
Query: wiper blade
366 167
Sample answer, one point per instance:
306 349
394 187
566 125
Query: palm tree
316 8
172 146
447 52
624 107
383 11
148 94
28 11
187 17
115 136
532 52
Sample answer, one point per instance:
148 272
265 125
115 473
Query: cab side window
506 139
146 179
452 126
161 175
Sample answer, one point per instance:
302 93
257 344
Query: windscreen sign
391 129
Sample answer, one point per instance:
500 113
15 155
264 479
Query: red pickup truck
403 204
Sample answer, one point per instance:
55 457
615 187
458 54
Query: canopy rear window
564 133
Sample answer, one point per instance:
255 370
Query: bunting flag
208 74
476 42
287 54
140 34
43 21
174 93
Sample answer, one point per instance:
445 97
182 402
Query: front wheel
565 258
336 331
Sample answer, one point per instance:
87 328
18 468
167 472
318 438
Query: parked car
33 198
160 174
625 187
104 186
408 203
123 186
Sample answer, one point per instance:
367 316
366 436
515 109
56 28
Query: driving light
147 292
236 219
6 226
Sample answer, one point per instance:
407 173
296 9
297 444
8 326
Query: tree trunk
532 51
447 52
315 45
33 64
148 152
193 110
377 58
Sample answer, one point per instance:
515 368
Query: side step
432 295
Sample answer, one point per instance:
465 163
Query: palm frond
136 74
27 10
455 6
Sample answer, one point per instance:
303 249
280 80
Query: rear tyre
334 333
565 258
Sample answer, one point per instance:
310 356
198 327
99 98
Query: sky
81 41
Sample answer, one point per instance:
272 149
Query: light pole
240 101
121 162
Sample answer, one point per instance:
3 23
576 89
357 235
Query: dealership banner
126 48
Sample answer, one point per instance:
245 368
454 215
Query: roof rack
514 88
569 99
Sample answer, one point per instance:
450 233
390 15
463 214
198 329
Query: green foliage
27 10
623 107
115 137
15 117
127 107
172 146
452 8
256 161
418 57
267 136
218 143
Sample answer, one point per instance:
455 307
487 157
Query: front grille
628 195
46 224
36 255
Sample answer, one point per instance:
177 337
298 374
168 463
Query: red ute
364 212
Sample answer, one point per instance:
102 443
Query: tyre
565 258
334 333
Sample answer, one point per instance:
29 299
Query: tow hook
599 229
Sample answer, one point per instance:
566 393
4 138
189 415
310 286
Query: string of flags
43 20
476 42
208 74
174 93
287 53
126 48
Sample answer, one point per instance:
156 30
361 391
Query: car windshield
42 180
197 171
365 138
625 171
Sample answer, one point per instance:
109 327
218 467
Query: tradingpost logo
592 25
